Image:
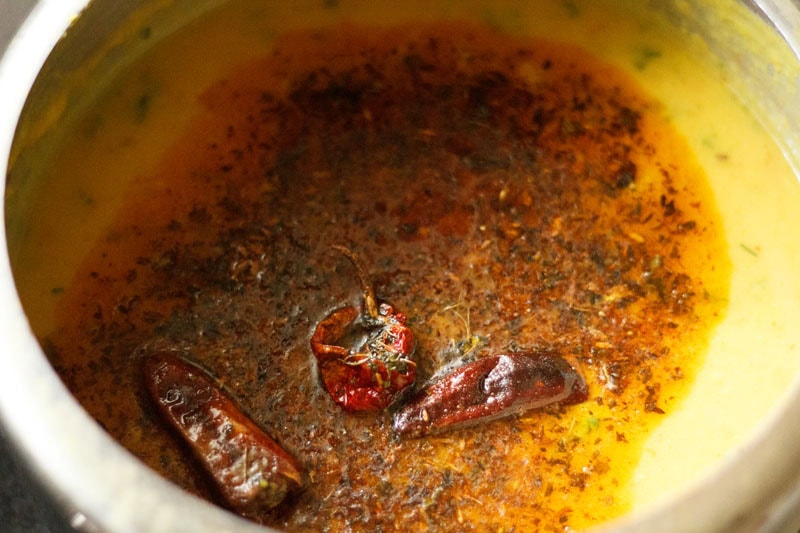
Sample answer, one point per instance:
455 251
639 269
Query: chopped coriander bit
657 262
85 198
572 8
749 250
644 56
57 290
142 107
709 141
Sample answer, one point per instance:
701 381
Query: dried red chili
252 472
364 357
490 388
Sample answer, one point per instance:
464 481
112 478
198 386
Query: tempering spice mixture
506 194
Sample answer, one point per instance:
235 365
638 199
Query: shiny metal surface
102 487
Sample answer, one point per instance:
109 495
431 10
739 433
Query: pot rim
100 484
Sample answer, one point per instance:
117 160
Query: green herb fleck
748 249
57 290
142 107
572 8
644 56
91 125
657 262
85 198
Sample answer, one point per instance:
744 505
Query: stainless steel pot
102 487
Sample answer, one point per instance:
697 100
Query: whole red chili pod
251 471
365 358
491 388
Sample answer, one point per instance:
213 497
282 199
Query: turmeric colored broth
506 193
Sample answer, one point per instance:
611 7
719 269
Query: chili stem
369 296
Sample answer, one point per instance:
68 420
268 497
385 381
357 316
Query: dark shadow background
24 507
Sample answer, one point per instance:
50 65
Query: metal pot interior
753 485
